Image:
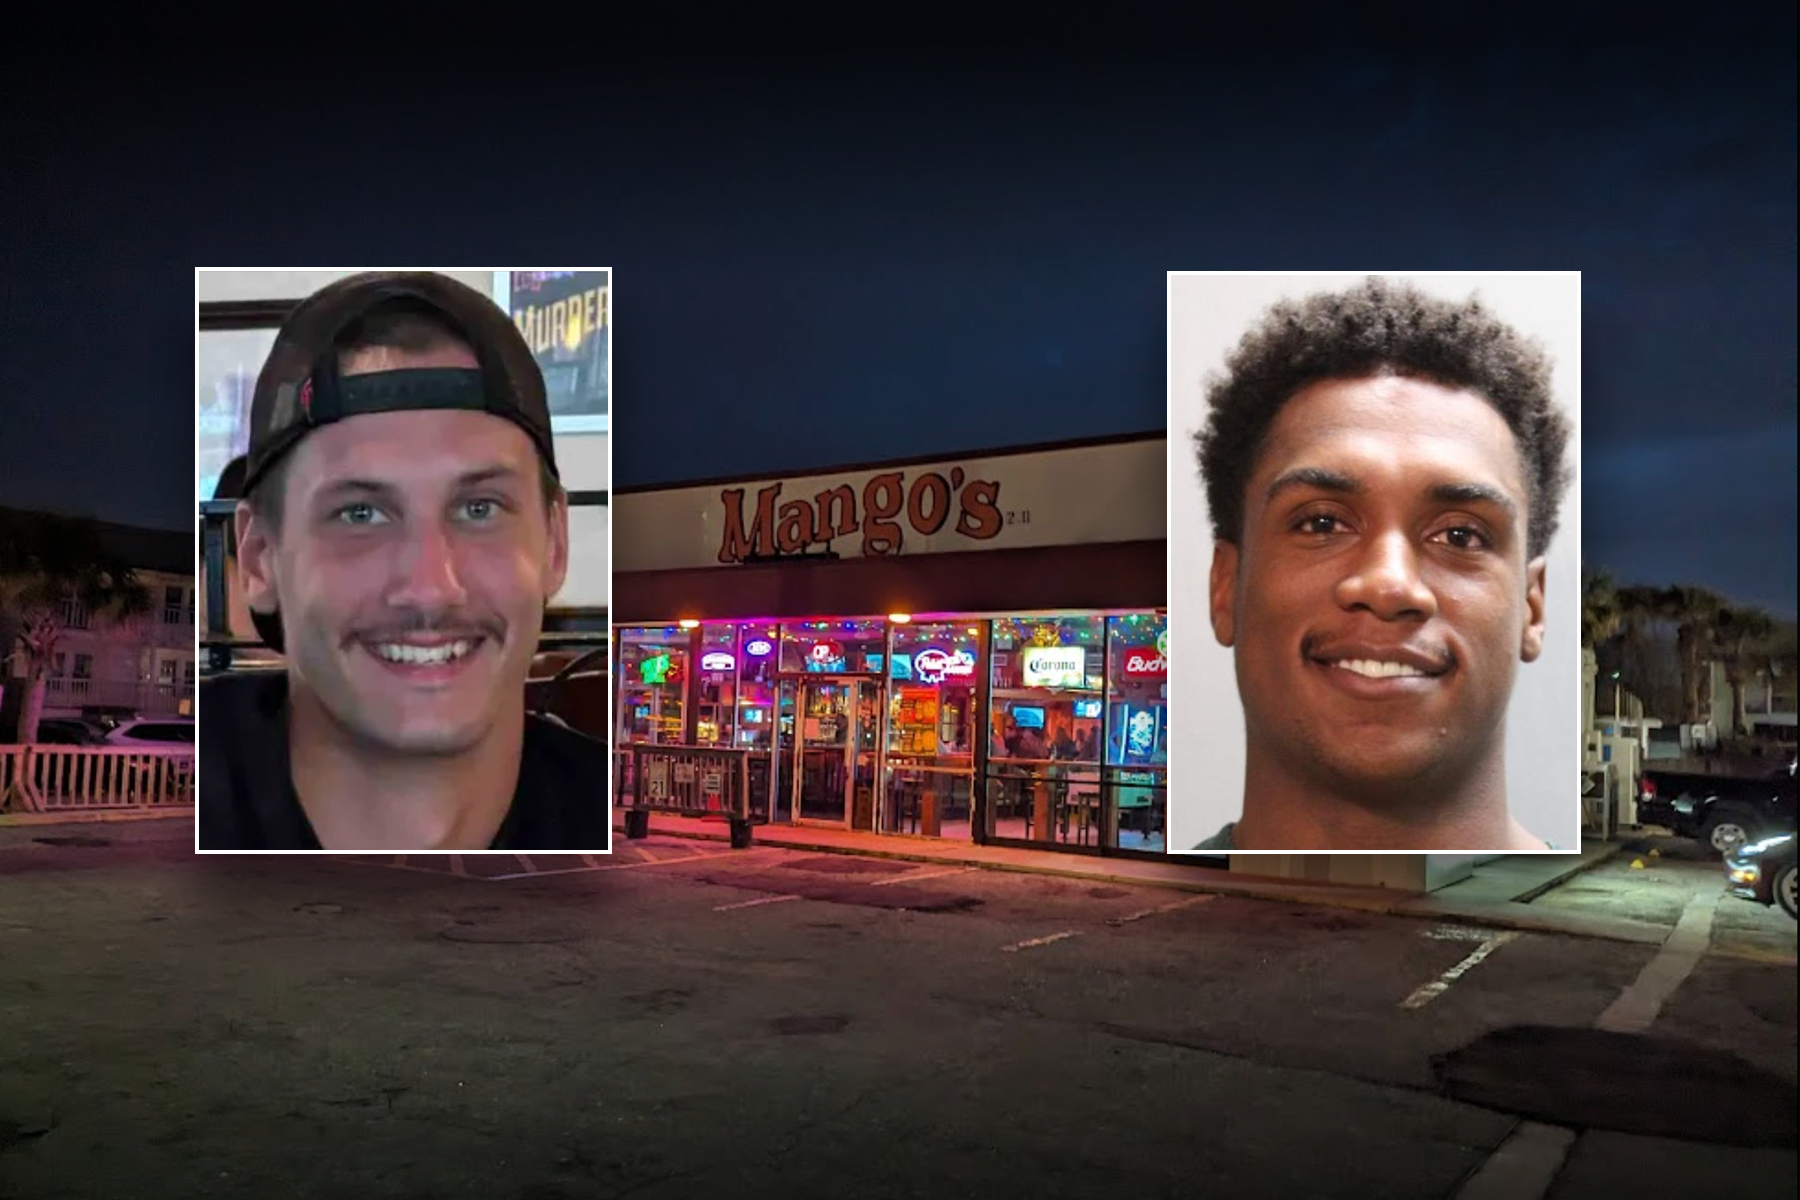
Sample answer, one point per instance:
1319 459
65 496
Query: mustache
1315 646
411 622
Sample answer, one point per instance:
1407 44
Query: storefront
970 648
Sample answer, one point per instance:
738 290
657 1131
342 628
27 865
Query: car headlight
1748 874
1764 846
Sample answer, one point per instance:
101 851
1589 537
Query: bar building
971 647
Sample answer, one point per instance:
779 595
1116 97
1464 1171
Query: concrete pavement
1498 894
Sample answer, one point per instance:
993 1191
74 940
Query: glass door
836 745
823 750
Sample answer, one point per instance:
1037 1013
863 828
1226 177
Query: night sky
863 261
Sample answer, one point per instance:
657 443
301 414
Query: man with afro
1383 470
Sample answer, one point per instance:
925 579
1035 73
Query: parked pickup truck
1723 811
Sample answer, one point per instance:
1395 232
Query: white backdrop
1208 313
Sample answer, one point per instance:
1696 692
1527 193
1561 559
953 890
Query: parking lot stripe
1185 902
753 903
922 878
456 865
1426 993
1040 941
1523 1167
1637 1006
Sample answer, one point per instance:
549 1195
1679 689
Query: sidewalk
1498 893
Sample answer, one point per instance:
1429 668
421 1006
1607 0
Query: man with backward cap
400 529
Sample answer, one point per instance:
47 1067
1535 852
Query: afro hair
1381 328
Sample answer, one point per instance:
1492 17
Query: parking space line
1426 993
1185 902
456 865
1040 941
526 863
753 903
1524 1165
1636 1008
921 878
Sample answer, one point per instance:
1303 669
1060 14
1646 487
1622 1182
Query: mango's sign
974 503
889 504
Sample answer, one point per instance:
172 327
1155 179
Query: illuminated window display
1045 728
833 647
1137 721
933 702
652 673
1048 729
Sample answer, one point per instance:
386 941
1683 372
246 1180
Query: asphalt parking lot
680 1019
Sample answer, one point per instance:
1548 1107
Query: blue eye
360 514
481 510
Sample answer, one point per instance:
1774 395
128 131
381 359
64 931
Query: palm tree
1741 637
1628 615
1602 613
49 565
1695 612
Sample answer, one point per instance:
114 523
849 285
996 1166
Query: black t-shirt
247 799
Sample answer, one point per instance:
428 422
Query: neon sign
1140 665
759 648
932 665
717 660
1054 666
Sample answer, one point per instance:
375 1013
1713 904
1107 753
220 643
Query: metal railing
49 778
688 781
150 699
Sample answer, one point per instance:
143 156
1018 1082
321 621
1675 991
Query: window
59 665
833 647
173 604
936 671
84 666
653 670
1137 728
1044 728
716 685
75 614
152 731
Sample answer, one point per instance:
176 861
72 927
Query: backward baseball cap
301 388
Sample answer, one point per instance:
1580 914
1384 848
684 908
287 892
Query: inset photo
402 479
1374 563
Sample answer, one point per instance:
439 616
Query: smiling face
413 561
1379 598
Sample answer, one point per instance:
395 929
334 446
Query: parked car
152 733
68 731
1764 871
1723 811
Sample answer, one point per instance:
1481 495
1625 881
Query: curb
1582 865
97 816
1514 915
1511 914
